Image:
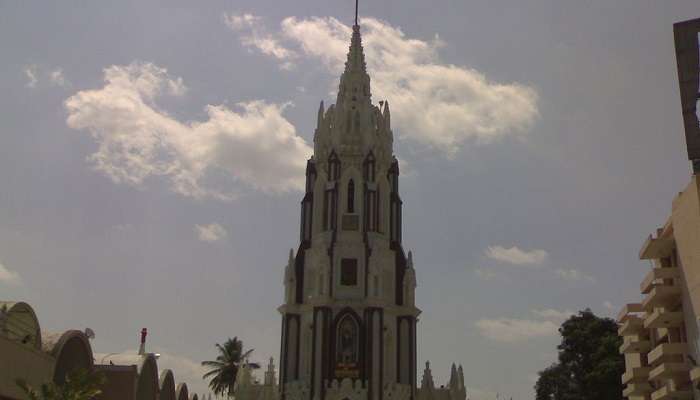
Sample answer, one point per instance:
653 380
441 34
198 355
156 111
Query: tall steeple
349 317
355 82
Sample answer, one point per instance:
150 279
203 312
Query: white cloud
515 330
30 73
56 78
8 276
516 256
486 274
512 330
434 103
554 315
210 233
254 145
36 74
608 306
254 35
574 275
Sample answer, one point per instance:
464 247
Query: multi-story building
661 333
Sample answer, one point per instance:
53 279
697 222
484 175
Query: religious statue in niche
347 354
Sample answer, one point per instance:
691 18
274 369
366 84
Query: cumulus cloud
552 314
30 72
254 35
210 233
516 256
36 75
253 145
512 330
434 103
56 78
486 274
8 276
574 275
515 330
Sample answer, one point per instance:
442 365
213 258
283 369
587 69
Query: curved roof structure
167 385
147 383
182 392
71 350
18 322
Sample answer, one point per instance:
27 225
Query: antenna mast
357 5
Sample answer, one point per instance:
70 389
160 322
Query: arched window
351 196
348 342
333 167
369 165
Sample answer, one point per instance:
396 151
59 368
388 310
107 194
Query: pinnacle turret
427 382
454 380
355 82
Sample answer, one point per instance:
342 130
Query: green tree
590 364
80 384
223 372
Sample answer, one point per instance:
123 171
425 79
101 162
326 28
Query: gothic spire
354 83
454 380
356 55
427 381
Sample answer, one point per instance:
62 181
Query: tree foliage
223 372
589 366
80 384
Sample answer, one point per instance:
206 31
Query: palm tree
79 385
225 368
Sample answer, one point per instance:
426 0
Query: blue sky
151 154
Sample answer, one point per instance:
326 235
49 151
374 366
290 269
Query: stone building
349 318
661 341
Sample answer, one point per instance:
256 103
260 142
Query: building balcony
667 352
695 375
632 326
660 246
656 275
635 346
667 370
666 393
640 389
663 319
637 389
629 310
662 296
638 374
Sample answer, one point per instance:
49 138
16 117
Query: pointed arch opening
347 345
351 196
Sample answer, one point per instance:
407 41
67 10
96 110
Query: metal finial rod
357 6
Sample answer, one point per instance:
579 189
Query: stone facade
349 317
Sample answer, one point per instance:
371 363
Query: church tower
349 314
